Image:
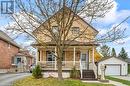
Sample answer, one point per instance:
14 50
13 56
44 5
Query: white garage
114 66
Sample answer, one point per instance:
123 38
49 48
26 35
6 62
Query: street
8 79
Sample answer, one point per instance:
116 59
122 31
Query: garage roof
105 58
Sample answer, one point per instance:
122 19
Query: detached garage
114 66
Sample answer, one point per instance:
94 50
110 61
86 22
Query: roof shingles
5 37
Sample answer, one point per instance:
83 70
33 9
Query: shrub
75 74
37 72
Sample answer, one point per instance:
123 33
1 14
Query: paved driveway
123 77
8 79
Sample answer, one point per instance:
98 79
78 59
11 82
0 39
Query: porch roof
68 42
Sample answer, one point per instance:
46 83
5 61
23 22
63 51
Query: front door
84 61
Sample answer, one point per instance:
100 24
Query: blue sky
119 12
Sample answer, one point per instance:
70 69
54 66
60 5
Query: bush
37 72
75 74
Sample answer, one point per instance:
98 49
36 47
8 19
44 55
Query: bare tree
38 16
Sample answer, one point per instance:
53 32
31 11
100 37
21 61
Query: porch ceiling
68 43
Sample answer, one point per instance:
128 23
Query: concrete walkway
123 77
110 82
8 79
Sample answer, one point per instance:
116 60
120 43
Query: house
23 60
128 60
8 49
11 54
114 66
81 53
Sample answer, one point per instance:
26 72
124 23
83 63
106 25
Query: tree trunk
59 66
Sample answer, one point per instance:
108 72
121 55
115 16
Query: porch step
88 75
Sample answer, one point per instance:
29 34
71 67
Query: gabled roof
6 38
24 53
72 12
105 58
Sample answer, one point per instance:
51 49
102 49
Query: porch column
89 55
81 72
87 60
37 54
74 57
40 55
55 58
93 55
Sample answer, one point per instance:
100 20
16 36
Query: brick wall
7 51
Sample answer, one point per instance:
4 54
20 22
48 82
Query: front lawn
30 81
119 80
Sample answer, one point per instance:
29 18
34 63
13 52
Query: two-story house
81 53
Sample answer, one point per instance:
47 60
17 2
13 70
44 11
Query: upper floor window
75 30
55 29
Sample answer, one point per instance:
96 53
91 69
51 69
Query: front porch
81 57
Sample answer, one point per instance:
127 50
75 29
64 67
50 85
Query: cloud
114 15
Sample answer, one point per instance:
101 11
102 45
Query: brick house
9 52
8 49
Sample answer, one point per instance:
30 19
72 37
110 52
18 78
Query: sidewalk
110 82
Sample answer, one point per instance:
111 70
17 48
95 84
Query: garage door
112 70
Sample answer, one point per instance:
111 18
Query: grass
126 82
30 81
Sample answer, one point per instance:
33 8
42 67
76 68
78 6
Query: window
55 29
50 56
18 60
12 60
75 30
83 57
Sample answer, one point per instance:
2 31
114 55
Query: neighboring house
8 49
128 60
114 66
11 55
23 60
82 53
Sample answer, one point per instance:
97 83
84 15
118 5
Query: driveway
8 79
123 77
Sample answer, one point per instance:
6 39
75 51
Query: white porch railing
67 65
92 66
95 70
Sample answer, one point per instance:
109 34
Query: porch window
51 56
83 57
